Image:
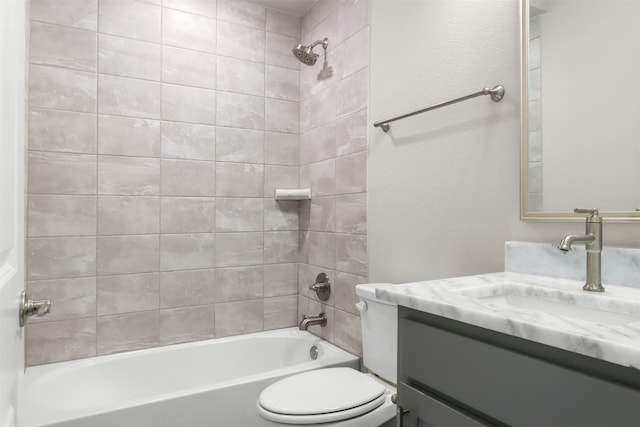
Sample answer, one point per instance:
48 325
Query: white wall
444 186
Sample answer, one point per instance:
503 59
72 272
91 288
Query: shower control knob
322 287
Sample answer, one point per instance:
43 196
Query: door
12 270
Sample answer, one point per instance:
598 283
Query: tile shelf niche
292 194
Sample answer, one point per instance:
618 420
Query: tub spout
307 321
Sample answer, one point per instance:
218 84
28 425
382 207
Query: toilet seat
320 396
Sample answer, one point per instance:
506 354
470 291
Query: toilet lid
322 395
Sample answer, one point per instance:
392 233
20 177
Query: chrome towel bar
496 92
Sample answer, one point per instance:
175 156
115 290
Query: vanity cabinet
455 374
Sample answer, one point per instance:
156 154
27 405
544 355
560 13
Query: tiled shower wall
333 159
158 130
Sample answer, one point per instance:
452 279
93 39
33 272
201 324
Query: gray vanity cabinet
454 374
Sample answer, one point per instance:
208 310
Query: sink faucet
592 240
307 321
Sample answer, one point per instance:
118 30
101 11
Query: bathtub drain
313 352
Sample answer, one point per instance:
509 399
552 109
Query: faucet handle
593 214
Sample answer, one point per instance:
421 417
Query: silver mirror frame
525 214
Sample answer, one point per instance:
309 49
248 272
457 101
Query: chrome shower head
305 53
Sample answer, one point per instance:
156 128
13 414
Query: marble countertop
618 344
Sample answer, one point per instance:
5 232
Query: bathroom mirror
580 108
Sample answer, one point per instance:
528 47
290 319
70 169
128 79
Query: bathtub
206 383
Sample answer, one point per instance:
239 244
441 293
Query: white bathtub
206 383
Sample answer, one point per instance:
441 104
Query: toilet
344 397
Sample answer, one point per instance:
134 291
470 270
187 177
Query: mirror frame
525 214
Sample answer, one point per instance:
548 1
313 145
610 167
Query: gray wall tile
128 215
239 41
188 104
44 255
347 334
239 180
318 144
323 177
239 76
324 106
134 19
58 341
282 83
187 251
282 148
61 173
321 248
280 279
351 173
63 46
74 13
239 283
129 58
188 67
123 96
199 7
353 93
188 178
190 31
128 136
62 89
188 141
50 215
239 214
280 215
126 294
242 12
345 291
351 133
238 110
279 177
283 23
128 176
239 249
187 288
282 116
186 324
322 214
351 253
240 145
240 317
357 53
351 213
280 312
188 215
280 247
52 130
70 298
128 254
126 332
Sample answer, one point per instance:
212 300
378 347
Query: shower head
306 55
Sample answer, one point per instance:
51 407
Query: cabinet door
426 411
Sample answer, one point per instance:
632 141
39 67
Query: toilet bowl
343 397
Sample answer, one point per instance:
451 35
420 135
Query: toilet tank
379 320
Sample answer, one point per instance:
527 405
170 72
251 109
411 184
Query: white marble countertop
618 344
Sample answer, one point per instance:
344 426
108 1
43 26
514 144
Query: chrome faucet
592 239
307 321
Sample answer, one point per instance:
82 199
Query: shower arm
324 43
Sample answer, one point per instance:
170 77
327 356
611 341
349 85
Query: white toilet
344 397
